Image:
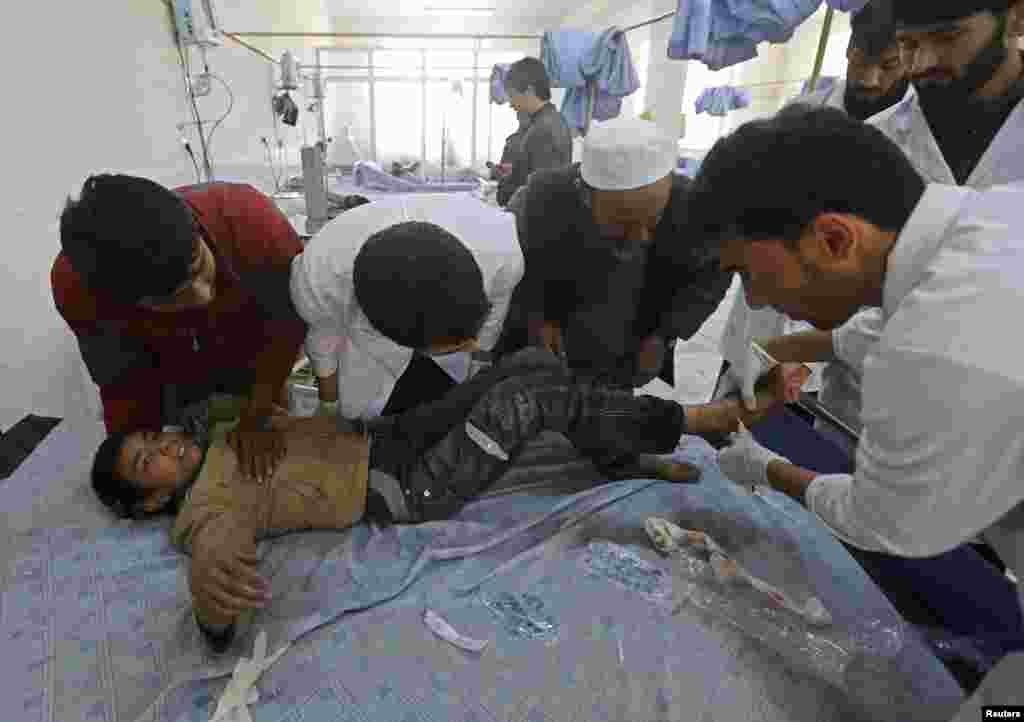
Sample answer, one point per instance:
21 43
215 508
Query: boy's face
160 463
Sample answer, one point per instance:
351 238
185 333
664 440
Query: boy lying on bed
420 466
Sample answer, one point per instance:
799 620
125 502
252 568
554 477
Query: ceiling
393 16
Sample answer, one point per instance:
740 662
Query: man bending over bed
399 469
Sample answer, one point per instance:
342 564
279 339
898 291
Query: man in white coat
398 294
876 79
941 457
875 76
964 125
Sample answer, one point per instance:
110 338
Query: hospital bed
980 610
368 181
95 620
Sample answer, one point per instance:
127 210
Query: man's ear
830 238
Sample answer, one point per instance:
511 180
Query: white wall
103 94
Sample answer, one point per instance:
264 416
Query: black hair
129 237
527 73
119 495
874 30
771 178
418 285
915 13
354 200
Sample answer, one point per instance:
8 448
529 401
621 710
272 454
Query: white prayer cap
627 153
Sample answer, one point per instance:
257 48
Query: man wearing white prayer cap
611 278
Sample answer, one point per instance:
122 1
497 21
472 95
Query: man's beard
940 100
861 106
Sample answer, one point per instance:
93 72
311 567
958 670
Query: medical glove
745 461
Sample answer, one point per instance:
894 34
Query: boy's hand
259 451
223 577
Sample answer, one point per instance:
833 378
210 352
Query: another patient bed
95 621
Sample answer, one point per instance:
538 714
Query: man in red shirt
176 295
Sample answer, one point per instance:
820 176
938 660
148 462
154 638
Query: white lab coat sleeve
831 498
499 291
852 341
937 463
320 298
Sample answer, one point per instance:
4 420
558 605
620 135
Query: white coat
341 338
1003 162
942 454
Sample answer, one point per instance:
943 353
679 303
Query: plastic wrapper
440 626
626 569
522 615
668 537
860 660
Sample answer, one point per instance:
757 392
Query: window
347 121
773 78
442 64
449 114
348 63
399 115
702 130
398 63
415 86
494 123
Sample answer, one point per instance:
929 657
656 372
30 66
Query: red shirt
132 352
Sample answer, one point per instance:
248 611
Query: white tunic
905 124
941 458
341 338
1002 163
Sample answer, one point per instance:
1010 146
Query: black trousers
422 381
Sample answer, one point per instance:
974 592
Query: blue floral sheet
95 622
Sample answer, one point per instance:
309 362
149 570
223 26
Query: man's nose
920 60
872 78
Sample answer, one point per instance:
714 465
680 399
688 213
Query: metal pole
645 23
423 111
321 115
591 101
822 46
476 84
450 36
373 110
251 48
